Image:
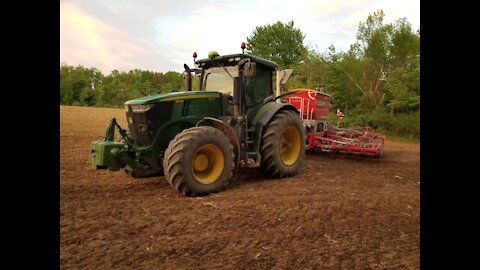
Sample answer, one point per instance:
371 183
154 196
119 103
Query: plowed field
339 212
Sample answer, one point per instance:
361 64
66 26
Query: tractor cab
252 75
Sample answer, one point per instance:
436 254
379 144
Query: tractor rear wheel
199 161
283 145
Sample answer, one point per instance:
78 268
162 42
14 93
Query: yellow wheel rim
290 145
207 164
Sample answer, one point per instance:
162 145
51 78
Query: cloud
341 24
95 42
161 35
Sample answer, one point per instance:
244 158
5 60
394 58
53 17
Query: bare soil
339 212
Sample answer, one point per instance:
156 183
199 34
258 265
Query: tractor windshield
220 79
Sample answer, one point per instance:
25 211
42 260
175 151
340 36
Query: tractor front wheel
199 161
283 145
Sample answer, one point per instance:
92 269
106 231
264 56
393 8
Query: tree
405 46
78 85
399 86
173 82
403 82
112 92
373 45
346 70
279 42
311 71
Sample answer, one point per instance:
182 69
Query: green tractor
198 138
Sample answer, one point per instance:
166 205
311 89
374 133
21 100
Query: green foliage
172 82
89 87
405 45
279 42
402 124
77 85
403 88
377 80
308 72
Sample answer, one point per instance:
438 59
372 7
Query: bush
401 124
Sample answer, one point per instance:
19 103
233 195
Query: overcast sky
161 35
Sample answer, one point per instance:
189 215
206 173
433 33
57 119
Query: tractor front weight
138 161
108 154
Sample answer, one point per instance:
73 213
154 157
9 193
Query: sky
161 35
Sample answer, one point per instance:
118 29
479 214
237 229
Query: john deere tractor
198 138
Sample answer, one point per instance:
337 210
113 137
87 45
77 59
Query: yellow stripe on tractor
189 97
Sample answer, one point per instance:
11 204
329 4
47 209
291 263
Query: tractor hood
173 96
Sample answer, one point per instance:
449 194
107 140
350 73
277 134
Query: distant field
88 120
339 212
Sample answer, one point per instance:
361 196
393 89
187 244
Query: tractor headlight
126 108
141 107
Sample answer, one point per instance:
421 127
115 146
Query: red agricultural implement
314 107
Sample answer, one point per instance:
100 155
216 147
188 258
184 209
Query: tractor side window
256 89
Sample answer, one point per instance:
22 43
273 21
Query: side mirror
250 69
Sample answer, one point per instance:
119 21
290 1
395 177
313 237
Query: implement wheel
199 161
283 145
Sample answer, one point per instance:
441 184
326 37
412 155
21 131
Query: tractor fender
168 132
225 129
264 115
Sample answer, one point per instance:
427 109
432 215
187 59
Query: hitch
108 154
110 133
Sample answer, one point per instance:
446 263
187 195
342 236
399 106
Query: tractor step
249 164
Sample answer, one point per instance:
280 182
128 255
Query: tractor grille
144 125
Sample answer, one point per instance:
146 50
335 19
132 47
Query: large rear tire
283 145
199 161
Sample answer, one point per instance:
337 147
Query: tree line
376 82
89 87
